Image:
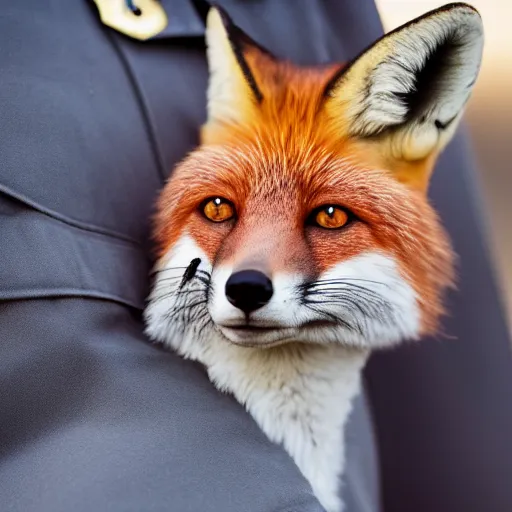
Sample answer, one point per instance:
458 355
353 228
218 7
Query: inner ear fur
233 90
405 94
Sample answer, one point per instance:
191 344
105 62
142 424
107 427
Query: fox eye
330 217
218 209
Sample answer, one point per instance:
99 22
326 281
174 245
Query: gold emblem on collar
140 19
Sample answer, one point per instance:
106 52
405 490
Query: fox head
303 215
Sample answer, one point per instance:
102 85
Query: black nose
248 290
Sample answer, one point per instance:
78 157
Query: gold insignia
140 19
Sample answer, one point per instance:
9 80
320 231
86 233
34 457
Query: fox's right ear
232 90
405 95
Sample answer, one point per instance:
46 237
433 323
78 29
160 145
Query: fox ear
232 88
407 91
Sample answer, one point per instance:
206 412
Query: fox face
303 216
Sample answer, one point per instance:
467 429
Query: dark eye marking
190 271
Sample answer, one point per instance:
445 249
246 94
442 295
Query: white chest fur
300 396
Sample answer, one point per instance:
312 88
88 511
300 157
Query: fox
298 237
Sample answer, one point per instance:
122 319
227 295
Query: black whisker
174 293
175 278
188 306
343 291
352 295
166 279
375 303
202 314
197 315
343 301
344 285
343 280
203 280
192 290
181 269
335 319
362 295
206 323
163 297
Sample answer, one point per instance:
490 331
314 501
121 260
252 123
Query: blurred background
489 119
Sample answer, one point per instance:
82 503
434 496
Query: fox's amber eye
331 217
218 209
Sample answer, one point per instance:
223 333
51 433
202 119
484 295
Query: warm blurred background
489 116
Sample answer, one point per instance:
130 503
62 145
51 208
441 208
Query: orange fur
289 157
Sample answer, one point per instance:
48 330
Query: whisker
176 278
363 302
166 279
162 297
198 315
182 269
344 301
334 318
175 289
175 293
193 290
376 303
206 323
188 306
203 280
343 280
372 303
343 292
344 285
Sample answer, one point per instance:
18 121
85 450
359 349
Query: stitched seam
62 293
83 226
142 103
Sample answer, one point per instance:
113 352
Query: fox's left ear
406 93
